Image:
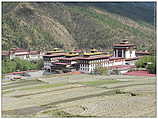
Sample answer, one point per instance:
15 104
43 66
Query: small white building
19 53
35 55
125 50
22 54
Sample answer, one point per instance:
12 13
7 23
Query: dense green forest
45 25
20 65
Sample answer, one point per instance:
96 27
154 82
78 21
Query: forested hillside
76 25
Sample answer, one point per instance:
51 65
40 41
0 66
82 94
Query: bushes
115 72
148 62
152 68
39 64
20 65
142 62
101 70
8 66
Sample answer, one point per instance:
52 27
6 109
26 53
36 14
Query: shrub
8 66
101 70
148 62
39 64
152 68
115 72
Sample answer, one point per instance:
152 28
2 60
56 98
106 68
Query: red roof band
123 45
142 52
140 73
18 72
19 50
61 63
5 53
34 52
116 58
94 57
69 59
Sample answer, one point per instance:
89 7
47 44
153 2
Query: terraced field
80 96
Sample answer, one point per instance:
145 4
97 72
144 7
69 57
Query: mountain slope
71 25
139 11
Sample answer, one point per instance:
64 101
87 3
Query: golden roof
93 50
56 50
95 53
72 54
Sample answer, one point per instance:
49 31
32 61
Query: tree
20 65
8 66
151 68
40 64
148 62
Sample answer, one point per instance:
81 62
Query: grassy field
99 82
80 96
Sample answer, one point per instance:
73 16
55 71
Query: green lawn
45 86
59 114
99 82
89 83
8 91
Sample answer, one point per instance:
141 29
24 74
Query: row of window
102 64
88 68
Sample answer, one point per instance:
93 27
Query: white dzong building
125 50
123 58
89 64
